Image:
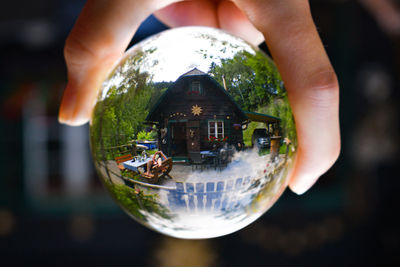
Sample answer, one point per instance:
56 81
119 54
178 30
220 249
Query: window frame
198 87
215 123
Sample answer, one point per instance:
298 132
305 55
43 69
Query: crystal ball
192 133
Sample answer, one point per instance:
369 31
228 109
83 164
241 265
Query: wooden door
177 139
193 136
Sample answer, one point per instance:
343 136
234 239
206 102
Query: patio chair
222 158
196 160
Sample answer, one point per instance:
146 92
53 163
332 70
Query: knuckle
324 80
76 52
322 90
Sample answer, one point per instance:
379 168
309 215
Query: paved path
113 172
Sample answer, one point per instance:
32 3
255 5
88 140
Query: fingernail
302 184
299 190
68 105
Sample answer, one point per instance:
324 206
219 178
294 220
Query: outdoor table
134 165
210 155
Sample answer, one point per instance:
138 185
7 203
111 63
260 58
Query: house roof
254 116
245 115
195 72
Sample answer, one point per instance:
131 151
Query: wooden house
196 114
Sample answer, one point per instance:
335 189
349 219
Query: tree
119 117
255 84
251 79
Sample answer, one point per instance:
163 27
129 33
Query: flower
213 139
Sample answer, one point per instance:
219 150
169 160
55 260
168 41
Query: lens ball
192 133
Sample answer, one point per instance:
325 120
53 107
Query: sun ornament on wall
196 110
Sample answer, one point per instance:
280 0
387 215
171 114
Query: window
216 129
195 88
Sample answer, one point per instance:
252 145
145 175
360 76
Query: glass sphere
192 133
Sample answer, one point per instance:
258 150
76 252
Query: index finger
97 40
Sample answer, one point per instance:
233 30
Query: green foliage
248 133
282 149
255 84
280 108
250 79
119 114
143 135
151 151
135 201
119 117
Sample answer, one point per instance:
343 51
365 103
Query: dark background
347 219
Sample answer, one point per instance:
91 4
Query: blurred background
54 211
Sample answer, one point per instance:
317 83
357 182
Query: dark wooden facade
193 110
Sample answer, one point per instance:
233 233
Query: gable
210 91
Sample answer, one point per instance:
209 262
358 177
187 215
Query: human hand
105 28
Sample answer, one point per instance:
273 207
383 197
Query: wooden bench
122 159
165 167
158 171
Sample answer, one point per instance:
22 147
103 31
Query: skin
386 13
104 29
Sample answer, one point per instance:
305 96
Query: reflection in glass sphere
192 133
